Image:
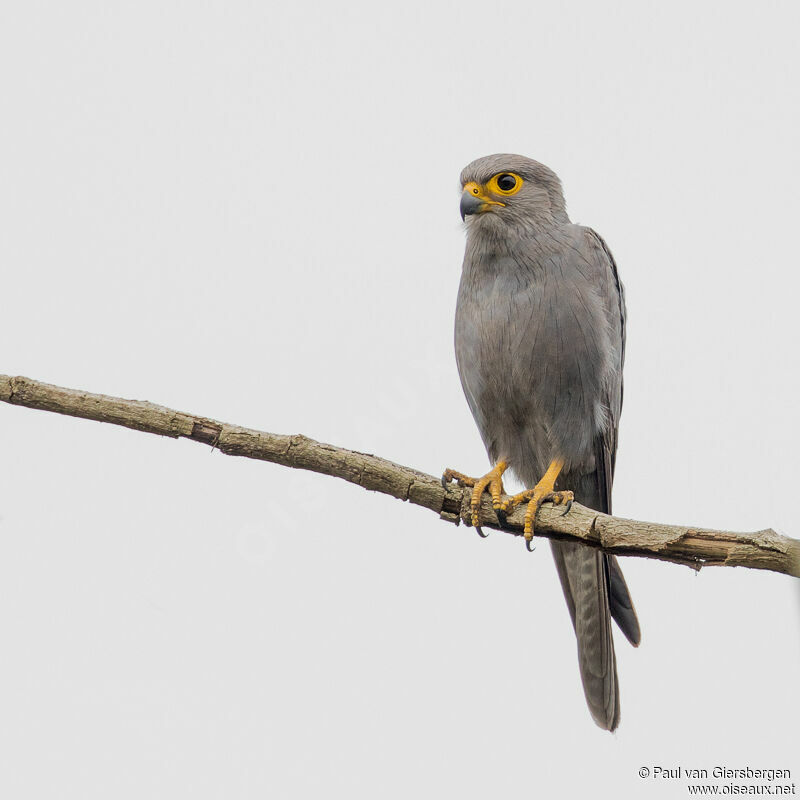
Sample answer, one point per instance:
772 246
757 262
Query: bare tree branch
694 547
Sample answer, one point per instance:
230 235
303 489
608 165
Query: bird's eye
505 183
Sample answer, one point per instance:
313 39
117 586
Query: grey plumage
540 341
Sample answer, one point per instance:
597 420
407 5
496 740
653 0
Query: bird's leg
543 492
493 480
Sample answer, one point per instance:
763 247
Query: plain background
250 211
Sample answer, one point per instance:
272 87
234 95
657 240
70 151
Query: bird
540 346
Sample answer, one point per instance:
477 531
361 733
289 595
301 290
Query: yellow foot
491 480
543 492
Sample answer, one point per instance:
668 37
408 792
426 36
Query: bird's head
506 189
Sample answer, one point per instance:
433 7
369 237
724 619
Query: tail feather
595 591
583 575
619 598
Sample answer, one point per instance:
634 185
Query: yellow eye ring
505 184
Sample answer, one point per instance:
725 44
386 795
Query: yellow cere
480 192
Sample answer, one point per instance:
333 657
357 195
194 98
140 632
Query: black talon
566 510
481 533
501 517
529 545
444 482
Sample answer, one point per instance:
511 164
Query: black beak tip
469 204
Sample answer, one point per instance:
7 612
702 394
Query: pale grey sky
250 211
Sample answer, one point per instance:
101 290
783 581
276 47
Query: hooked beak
474 200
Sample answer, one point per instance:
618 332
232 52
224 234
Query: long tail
595 591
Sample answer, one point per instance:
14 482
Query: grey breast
538 346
